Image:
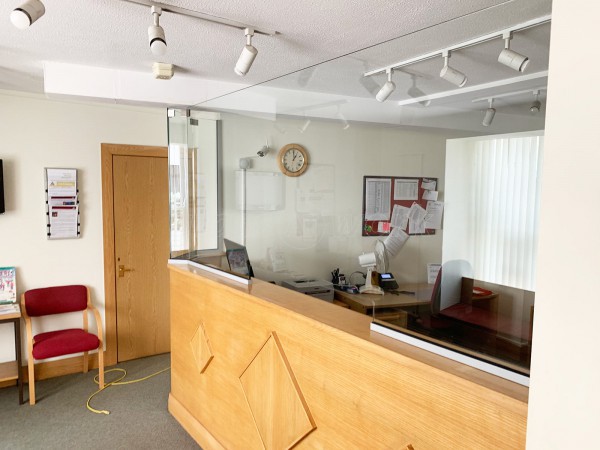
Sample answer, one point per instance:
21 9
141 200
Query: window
493 205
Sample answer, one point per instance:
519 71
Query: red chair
60 300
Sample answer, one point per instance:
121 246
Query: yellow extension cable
116 383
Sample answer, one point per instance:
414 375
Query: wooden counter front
261 366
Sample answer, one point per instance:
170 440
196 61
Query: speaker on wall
1 189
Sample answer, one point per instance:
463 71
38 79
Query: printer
315 288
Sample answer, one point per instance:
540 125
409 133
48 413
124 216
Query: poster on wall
394 204
8 285
62 204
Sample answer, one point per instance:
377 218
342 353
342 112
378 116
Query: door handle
122 271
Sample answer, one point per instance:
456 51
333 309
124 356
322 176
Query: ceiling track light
248 55
489 114
536 105
156 34
506 53
452 75
510 58
387 89
27 13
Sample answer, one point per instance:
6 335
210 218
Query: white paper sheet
429 185
416 225
430 195
432 272
400 216
433 215
62 182
377 198
395 241
63 222
406 189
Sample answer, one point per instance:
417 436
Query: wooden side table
11 370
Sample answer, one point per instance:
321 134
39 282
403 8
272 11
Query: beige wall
564 407
38 133
339 158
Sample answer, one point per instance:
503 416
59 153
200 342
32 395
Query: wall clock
293 160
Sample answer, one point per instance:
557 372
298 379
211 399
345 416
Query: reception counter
261 366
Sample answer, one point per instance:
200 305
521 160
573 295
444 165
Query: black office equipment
237 257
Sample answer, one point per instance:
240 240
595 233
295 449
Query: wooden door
141 218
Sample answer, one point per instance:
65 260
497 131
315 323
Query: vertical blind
506 191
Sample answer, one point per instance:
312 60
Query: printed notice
378 198
406 189
433 215
416 216
63 222
62 182
428 185
430 195
400 216
432 272
395 241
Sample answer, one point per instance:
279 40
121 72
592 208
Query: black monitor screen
237 257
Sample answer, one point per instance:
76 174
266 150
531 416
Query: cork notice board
390 202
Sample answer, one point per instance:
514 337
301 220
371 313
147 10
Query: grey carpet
60 420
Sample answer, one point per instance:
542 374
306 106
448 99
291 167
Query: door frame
108 236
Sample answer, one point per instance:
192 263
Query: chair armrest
98 319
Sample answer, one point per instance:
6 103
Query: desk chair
60 300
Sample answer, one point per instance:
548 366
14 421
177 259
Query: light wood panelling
108 236
274 397
363 390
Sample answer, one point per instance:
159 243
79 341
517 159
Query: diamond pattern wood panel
201 349
278 407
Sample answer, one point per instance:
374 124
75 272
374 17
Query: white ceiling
112 34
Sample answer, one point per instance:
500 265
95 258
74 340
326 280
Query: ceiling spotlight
536 105
511 58
248 55
387 89
489 114
450 74
27 13
415 92
156 35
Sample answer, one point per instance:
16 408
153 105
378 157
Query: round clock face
293 160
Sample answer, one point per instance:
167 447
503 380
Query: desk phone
387 282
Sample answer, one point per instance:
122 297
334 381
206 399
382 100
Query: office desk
366 303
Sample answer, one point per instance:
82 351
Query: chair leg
85 362
101 366
31 372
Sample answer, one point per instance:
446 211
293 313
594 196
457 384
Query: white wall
564 403
38 133
334 182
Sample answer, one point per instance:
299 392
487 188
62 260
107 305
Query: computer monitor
237 257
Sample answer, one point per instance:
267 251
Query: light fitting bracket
204 16
441 52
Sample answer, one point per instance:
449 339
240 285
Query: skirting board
195 429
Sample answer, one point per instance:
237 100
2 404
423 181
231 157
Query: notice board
398 202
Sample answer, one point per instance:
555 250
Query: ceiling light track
203 16
488 37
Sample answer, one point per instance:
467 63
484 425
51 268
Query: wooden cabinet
11 370
264 367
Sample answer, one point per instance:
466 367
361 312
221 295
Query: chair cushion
55 300
63 342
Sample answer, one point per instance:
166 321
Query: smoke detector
162 71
